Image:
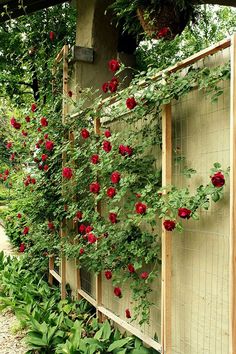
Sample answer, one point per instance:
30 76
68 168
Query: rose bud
108 274
218 180
184 213
169 225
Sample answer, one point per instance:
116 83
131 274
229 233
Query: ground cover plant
54 325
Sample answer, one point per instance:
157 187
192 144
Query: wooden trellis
61 278
166 304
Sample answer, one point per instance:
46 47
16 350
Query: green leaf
119 344
215 196
217 165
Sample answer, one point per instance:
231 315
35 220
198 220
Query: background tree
29 45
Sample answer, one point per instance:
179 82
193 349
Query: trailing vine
117 169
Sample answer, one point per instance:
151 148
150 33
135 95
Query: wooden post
97 130
51 267
166 236
232 290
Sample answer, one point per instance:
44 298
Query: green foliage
55 326
25 43
213 25
126 13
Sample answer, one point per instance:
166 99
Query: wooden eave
10 9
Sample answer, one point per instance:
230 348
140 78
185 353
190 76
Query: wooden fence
196 295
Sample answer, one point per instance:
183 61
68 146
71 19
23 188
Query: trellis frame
61 278
165 346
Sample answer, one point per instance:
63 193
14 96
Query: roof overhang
13 8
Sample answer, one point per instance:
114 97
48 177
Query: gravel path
11 342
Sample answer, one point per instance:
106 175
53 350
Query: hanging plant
157 18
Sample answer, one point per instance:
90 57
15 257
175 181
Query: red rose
105 87
51 36
46 167
22 248
44 157
144 275
117 292
131 268
131 103
67 172
9 145
218 180
107 134
112 86
140 208
40 167
44 122
26 230
113 218
84 133
70 93
45 136
115 177
94 159
49 145
27 119
39 129
17 126
12 157
111 192
184 213
113 65
33 107
33 180
81 251
163 32
88 229
12 121
169 225
19 215
106 145
127 313
24 133
108 274
115 80
6 172
82 229
94 187
51 225
92 238
79 215
125 150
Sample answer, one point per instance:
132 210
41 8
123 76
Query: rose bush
115 198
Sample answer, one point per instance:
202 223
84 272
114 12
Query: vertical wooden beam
98 206
65 83
166 236
64 114
232 290
51 267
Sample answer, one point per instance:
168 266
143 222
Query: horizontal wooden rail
145 338
225 43
87 297
55 275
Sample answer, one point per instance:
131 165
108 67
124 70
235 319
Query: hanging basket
164 22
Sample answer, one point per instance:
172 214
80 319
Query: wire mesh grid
200 255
